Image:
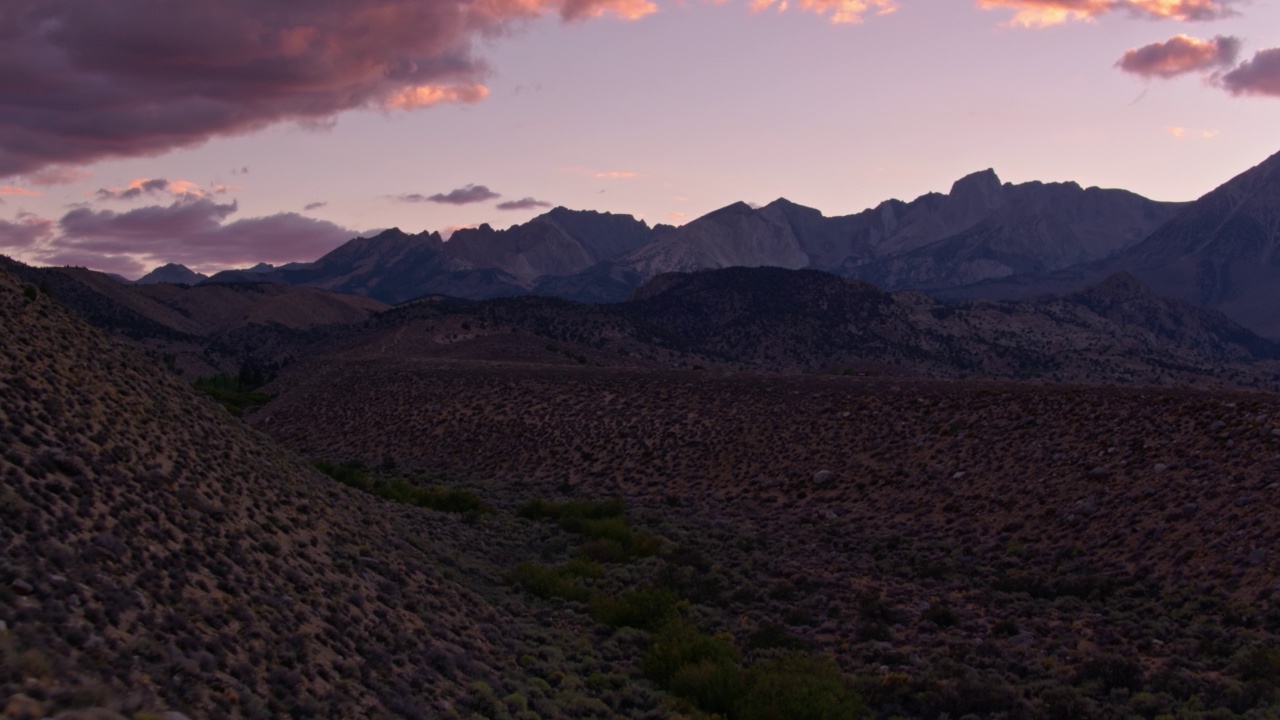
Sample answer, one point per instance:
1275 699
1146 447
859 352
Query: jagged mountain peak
171 273
736 208
983 186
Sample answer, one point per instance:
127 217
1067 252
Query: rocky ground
1008 550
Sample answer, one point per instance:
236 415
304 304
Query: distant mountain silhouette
1221 251
980 229
984 239
391 267
558 243
172 273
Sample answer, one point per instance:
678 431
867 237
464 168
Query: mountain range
980 229
984 239
1222 251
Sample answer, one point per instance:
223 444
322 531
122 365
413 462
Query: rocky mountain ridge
981 228
1221 251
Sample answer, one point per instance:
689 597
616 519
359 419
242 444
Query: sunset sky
138 132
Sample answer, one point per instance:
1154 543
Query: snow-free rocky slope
157 554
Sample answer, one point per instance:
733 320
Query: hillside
916 547
808 321
160 555
202 329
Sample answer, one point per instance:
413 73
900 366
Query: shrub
798 687
561 581
941 615
571 514
679 644
604 522
643 609
713 685
402 491
233 394
773 635
615 529
605 551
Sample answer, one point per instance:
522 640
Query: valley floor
994 549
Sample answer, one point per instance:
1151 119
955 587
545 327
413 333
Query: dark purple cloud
410 198
123 265
25 232
314 205
464 195
136 189
57 175
193 231
1259 75
86 80
523 204
1179 55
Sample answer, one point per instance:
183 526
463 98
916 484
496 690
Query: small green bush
571 514
234 395
679 644
643 609
605 523
601 550
798 687
560 581
402 491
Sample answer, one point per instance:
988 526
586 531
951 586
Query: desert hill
202 329
805 320
996 549
760 318
160 555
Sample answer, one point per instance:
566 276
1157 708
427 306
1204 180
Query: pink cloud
451 229
837 11
152 186
134 190
1041 13
1259 75
20 192
1179 55
573 10
420 96
88 80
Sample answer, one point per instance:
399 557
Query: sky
140 132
